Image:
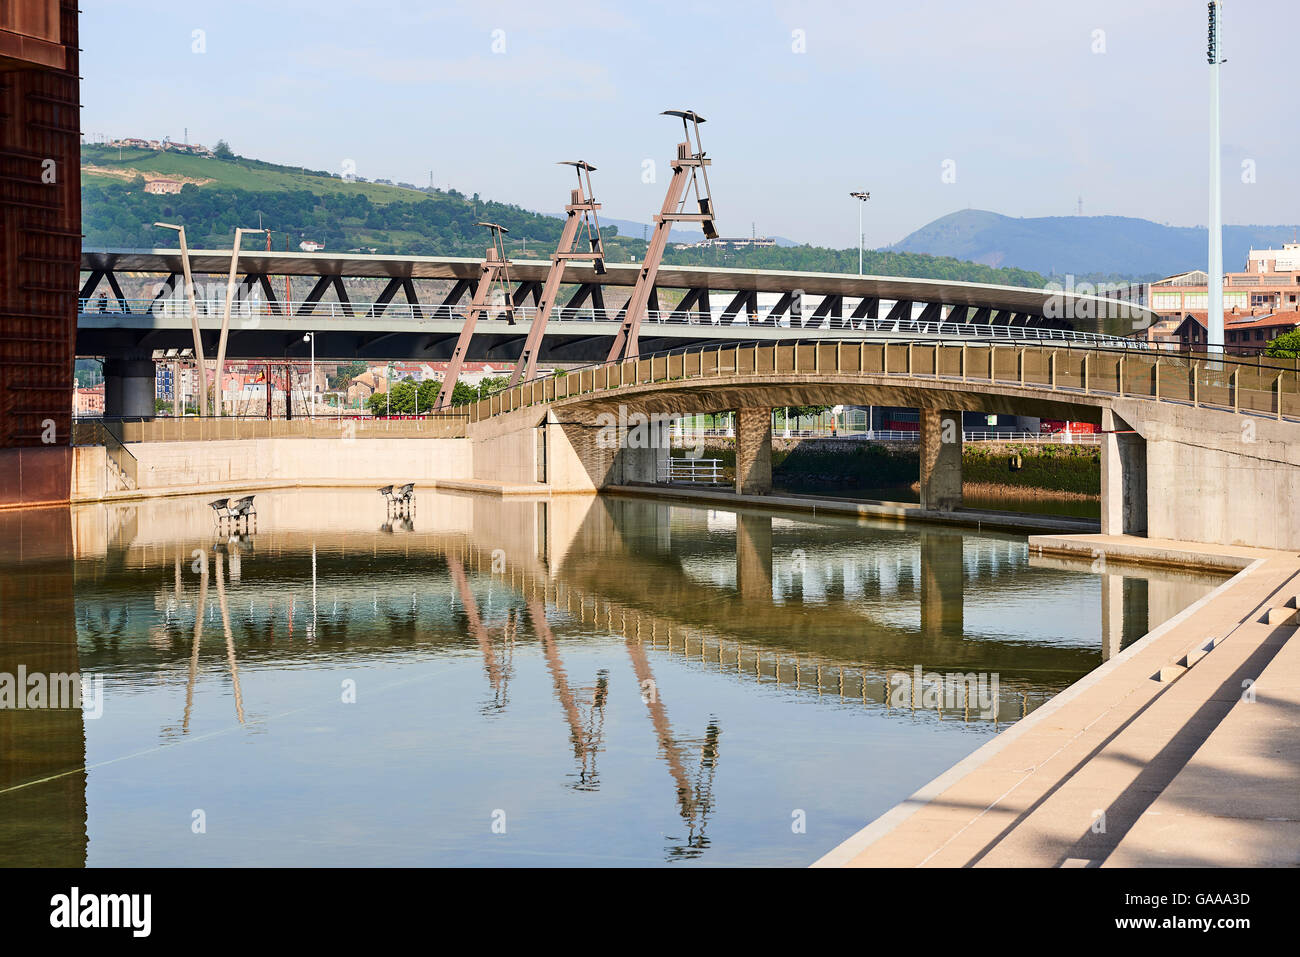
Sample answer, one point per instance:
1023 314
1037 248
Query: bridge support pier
1123 478
129 388
753 451
940 460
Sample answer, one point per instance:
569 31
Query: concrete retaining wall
194 466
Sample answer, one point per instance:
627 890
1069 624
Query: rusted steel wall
40 244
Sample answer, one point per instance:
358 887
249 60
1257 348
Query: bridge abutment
753 451
1123 478
591 449
940 460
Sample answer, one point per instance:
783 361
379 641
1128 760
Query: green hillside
299 204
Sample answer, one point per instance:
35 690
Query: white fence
708 471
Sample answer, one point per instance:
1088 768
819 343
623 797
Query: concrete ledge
1045 717
889 511
489 487
1149 551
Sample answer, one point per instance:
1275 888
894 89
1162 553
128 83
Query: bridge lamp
862 198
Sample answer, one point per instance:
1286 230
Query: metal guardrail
231 428
122 469
1220 382
686 469
255 310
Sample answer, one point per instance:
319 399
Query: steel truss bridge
688 305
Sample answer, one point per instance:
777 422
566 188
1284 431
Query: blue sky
1034 102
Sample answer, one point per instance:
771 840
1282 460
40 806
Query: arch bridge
1194 448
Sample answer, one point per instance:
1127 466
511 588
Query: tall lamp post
311 337
225 315
862 198
1214 321
199 358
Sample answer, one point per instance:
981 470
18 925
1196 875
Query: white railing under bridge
318 315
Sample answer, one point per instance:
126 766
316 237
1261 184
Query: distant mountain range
1118 246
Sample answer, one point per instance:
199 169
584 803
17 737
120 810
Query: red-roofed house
1241 333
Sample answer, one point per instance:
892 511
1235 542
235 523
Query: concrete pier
753 451
129 388
940 460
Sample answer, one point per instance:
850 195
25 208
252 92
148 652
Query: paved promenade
1182 750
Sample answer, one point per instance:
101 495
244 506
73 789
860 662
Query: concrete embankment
989 469
1183 749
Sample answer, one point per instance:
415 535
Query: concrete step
1236 802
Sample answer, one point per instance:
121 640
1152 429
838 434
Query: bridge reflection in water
757 677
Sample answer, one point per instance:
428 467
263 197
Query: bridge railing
192 428
1219 382
312 313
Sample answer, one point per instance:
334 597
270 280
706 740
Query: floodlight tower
580 239
1214 321
862 198
493 273
689 172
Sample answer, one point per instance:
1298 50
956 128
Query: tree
463 394
491 384
428 394
800 411
222 151
1285 346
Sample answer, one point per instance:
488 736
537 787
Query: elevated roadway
419 311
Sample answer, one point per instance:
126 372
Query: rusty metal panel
40 238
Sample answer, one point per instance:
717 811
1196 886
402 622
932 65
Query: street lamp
225 316
862 201
194 318
1214 321
309 337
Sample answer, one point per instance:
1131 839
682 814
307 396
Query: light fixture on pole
199 358
1214 321
862 198
310 337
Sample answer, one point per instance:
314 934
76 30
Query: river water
488 681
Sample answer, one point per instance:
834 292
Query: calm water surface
513 682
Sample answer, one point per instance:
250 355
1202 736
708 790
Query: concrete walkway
865 508
1163 755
